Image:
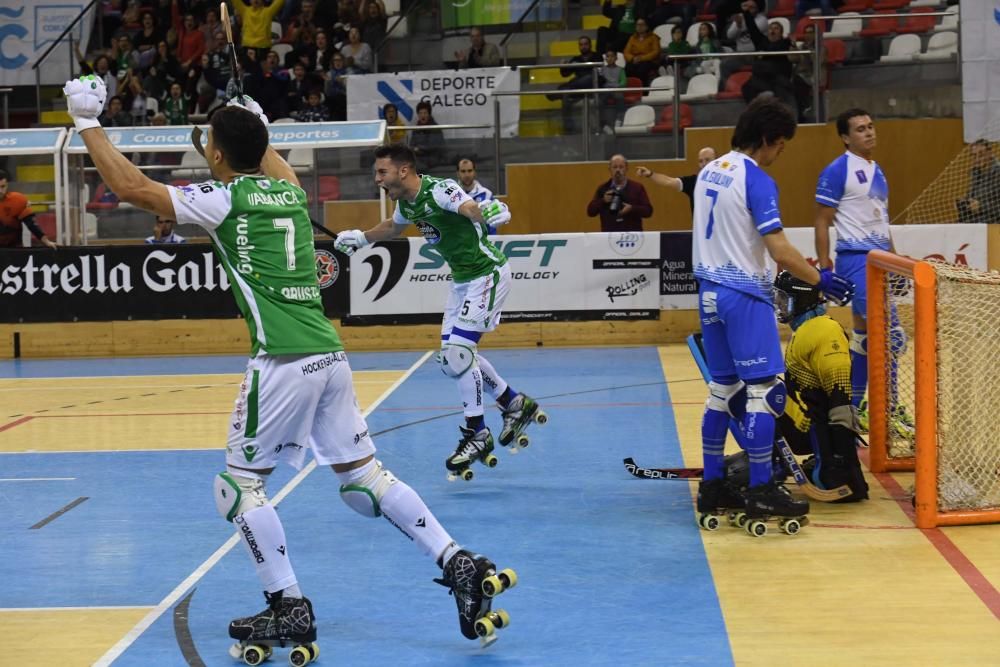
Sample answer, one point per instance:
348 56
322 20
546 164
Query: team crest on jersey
327 268
430 233
862 177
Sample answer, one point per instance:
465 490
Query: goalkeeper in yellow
819 418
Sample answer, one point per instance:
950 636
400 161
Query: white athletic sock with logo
495 384
261 532
405 509
470 388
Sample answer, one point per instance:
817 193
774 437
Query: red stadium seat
915 23
798 33
855 6
329 188
633 96
784 8
666 123
891 5
836 51
102 200
733 90
877 26
47 221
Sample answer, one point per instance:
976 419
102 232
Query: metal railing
5 92
400 18
72 55
517 26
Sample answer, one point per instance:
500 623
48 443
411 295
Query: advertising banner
141 282
457 97
555 277
28 28
465 13
980 52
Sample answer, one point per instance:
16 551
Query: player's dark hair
241 137
399 154
844 119
764 121
3 175
459 161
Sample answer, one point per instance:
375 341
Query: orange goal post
934 384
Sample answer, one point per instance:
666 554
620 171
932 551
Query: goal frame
925 462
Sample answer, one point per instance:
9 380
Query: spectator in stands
15 210
101 68
114 114
770 74
211 29
163 232
359 55
272 87
480 52
132 17
175 105
738 36
373 24
683 184
298 88
302 28
427 145
621 203
190 40
982 201
216 66
679 46
662 11
612 106
815 7
642 53
347 18
124 56
802 76
336 87
313 111
708 42
147 39
582 77
466 172
255 20
616 35
392 119
207 100
363 9
163 72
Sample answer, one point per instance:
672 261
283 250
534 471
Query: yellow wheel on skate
757 528
708 521
500 618
507 577
484 627
523 441
541 417
268 651
467 474
302 655
315 648
491 461
791 526
254 655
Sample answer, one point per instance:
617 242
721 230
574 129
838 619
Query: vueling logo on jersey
286 198
243 245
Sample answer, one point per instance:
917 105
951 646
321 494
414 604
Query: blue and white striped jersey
479 193
857 188
735 204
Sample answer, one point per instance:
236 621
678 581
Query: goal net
934 389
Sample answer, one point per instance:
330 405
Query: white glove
85 100
250 104
495 212
349 241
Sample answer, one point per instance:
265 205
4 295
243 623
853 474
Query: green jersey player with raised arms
457 226
297 393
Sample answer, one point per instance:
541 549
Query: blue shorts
740 334
854 267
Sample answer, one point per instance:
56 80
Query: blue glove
836 288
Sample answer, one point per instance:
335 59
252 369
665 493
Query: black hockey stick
662 473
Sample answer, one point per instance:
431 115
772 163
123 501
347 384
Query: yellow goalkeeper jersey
818 370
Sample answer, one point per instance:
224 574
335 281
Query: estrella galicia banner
139 282
555 277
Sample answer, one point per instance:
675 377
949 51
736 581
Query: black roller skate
285 621
519 413
474 581
773 500
474 446
717 497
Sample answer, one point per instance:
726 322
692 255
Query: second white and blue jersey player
737 223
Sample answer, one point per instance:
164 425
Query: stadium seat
595 21
800 28
855 6
282 121
660 96
282 50
301 160
949 22
784 8
786 25
192 166
701 87
666 123
879 26
836 51
891 5
633 96
933 4
329 188
915 23
705 11
564 49
638 120
733 89
692 34
942 46
276 32
103 199
902 48
620 60
848 25
663 32
152 106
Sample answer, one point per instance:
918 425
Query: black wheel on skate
757 528
254 655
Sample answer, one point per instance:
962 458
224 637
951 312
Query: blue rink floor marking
612 569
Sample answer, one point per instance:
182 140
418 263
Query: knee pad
767 396
728 398
456 360
362 489
859 342
235 494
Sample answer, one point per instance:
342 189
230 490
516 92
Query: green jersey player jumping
456 225
297 393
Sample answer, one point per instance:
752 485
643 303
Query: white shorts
288 404
477 304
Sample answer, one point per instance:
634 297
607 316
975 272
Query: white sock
261 533
470 388
495 384
405 509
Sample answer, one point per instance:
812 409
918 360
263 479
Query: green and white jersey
461 242
261 232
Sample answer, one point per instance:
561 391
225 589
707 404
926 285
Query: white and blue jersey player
466 173
852 195
737 223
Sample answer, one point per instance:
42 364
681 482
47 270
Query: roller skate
474 446
718 497
474 581
285 621
773 500
902 423
521 411
863 419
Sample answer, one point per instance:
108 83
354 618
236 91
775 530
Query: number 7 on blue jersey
714 196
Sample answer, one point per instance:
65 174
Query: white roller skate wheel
757 528
791 527
541 417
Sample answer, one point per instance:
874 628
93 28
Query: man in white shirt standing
467 179
163 232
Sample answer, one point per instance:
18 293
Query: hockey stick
662 473
811 490
224 19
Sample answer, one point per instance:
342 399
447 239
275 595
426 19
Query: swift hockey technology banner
147 282
555 277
